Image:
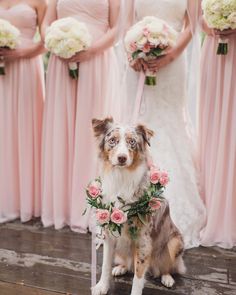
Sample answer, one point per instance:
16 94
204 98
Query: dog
124 156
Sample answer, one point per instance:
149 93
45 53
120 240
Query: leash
93 253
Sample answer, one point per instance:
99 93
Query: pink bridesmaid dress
21 108
217 123
68 144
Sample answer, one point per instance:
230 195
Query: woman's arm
107 40
34 49
183 40
205 28
38 48
50 16
225 33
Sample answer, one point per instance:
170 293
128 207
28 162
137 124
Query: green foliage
156 52
136 53
138 210
45 60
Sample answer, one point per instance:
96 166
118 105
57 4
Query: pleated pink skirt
69 154
217 143
58 144
21 110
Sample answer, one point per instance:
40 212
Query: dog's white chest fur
122 183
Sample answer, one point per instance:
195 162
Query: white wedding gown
163 110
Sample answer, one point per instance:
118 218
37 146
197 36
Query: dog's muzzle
122 159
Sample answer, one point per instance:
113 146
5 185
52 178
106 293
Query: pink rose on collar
94 189
164 178
154 175
103 216
118 216
155 204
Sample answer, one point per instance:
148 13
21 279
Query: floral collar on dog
113 218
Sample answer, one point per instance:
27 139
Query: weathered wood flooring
39 261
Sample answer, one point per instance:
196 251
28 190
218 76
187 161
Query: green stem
151 81
74 74
222 49
225 48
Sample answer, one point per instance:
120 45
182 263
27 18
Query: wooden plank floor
39 261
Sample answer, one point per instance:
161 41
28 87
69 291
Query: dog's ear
145 133
101 126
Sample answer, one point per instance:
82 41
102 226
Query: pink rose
155 204
146 48
94 189
164 178
129 57
154 175
103 216
118 216
146 32
133 47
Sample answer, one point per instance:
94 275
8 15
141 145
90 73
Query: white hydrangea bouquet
9 38
66 37
220 15
148 39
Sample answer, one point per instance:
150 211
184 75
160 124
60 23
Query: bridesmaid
68 162
217 139
21 107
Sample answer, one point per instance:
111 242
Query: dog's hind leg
166 265
180 266
123 256
120 267
119 270
167 280
176 264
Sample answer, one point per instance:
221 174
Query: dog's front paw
136 291
100 289
167 280
119 270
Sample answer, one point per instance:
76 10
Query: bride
164 110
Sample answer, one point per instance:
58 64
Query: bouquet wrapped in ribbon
148 39
9 38
66 37
220 15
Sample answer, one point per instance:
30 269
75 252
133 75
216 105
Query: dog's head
121 146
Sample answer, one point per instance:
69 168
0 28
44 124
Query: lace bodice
172 11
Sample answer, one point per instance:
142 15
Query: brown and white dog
123 153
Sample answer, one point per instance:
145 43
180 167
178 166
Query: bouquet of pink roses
148 39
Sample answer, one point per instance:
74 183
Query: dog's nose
122 159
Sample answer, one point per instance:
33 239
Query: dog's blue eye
132 142
112 141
